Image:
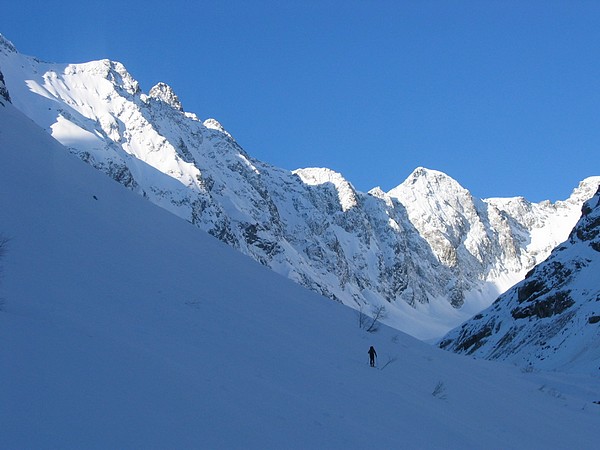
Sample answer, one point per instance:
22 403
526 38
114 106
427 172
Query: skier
372 355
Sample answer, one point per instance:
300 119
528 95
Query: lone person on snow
372 355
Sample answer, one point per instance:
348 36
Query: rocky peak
213 124
113 71
123 79
585 190
426 181
6 45
316 176
445 214
165 93
588 228
378 192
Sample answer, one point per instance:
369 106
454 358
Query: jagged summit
424 172
585 190
430 175
427 181
7 45
112 71
214 124
587 230
317 176
165 93
455 224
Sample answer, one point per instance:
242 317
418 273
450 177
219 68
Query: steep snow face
428 251
552 318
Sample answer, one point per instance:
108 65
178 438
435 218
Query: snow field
123 326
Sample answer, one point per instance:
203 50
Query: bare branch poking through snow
390 359
371 324
440 391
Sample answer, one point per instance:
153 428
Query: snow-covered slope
427 250
552 318
123 326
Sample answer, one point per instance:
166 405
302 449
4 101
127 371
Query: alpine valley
427 250
124 326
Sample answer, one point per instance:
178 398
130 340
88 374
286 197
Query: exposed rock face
3 91
423 246
6 47
164 93
550 319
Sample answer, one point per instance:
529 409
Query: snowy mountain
123 326
427 250
550 319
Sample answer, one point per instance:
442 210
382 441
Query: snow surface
123 326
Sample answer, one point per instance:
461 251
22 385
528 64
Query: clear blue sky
504 96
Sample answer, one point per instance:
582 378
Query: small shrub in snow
371 323
528 369
440 391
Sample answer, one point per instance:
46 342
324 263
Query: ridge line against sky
502 96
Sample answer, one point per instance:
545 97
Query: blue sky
503 96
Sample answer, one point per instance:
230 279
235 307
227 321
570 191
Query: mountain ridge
362 249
